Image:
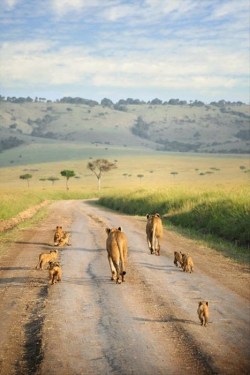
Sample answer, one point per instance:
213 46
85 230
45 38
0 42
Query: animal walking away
154 232
55 272
117 249
45 258
203 312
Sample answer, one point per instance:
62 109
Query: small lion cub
178 258
187 263
58 234
46 258
203 312
64 240
55 272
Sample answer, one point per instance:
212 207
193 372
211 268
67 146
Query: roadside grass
230 250
10 236
18 200
221 217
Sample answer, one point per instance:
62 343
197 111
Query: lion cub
58 234
64 240
46 258
187 263
55 272
178 258
203 312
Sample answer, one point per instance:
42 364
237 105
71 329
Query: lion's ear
207 303
108 230
200 303
147 216
119 228
158 215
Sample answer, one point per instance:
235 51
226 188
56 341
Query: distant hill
160 127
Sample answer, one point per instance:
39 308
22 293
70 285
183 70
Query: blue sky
142 49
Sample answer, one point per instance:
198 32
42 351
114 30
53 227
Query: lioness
64 240
46 258
55 272
154 231
178 258
203 312
58 234
187 263
117 248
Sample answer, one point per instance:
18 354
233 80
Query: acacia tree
27 177
52 179
140 176
98 167
68 174
174 173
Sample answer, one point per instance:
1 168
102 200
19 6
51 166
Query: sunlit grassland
207 194
147 170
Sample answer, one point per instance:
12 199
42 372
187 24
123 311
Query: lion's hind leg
59 275
150 245
157 248
201 318
117 268
112 268
116 263
51 277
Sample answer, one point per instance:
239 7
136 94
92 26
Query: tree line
105 102
97 167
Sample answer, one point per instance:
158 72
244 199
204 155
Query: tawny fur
178 258
58 234
64 240
203 312
154 232
117 249
46 258
187 263
55 272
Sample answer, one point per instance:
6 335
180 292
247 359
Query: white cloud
232 8
10 3
117 12
38 64
62 7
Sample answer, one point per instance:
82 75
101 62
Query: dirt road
88 325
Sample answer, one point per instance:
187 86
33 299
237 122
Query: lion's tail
154 243
121 252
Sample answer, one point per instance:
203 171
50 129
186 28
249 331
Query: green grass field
208 195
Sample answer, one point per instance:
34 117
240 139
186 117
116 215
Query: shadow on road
170 319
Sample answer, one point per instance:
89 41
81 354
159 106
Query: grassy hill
44 132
